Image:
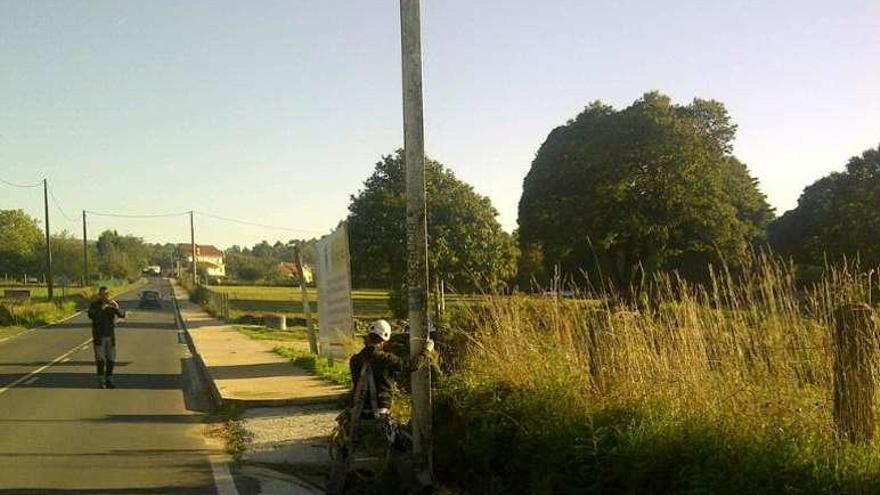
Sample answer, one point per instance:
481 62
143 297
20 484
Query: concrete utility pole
85 281
48 245
192 242
416 233
307 310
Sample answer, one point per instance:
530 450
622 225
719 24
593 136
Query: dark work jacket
103 320
385 366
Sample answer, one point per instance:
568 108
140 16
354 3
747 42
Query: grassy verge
38 311
11 331
335 371
723 389
258 332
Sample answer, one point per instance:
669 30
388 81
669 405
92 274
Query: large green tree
121 256
67 262
618 193
467 246
21 243
836 216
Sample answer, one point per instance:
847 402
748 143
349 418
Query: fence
216 302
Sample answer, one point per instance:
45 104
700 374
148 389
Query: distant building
290 270
206 255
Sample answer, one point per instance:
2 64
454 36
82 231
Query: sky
275 112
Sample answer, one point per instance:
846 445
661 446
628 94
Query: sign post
307 309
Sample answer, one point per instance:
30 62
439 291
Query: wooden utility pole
48 242
192 242
307 309
416 233
85 277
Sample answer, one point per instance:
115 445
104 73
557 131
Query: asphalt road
61 434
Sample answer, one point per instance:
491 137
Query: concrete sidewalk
245 371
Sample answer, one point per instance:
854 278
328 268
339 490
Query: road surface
61 434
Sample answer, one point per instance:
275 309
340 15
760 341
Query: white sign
335 311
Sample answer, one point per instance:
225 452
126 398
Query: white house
206 255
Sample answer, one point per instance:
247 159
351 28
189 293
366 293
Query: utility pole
416 233
48 245
307 309
192 241
85 253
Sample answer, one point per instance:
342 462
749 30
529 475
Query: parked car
150 299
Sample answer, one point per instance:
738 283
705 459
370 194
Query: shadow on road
159 490
88 380
119 418
62 364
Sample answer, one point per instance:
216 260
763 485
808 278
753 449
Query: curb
216 398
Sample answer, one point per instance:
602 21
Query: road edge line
37 371
62 320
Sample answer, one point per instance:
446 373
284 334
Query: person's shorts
105 349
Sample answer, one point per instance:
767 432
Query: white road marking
223 479
41 368
32 380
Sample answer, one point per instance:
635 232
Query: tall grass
723 387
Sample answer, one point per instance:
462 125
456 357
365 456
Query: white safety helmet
381 328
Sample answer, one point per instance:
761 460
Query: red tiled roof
288 268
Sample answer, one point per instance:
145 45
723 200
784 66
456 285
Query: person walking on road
103 313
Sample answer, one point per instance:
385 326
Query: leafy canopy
467 247
21 243
653 186
836 216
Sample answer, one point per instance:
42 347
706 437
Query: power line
23 186
256 224
60 209
132 215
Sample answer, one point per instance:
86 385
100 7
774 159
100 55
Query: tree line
612 195
111 256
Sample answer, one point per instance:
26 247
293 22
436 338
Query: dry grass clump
737 370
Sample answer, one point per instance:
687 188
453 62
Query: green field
40 293
288 300
368 303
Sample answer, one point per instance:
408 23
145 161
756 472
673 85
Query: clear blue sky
276 111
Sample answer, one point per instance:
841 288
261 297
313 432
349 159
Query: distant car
150 299
152 271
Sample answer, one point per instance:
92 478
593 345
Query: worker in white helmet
373 370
